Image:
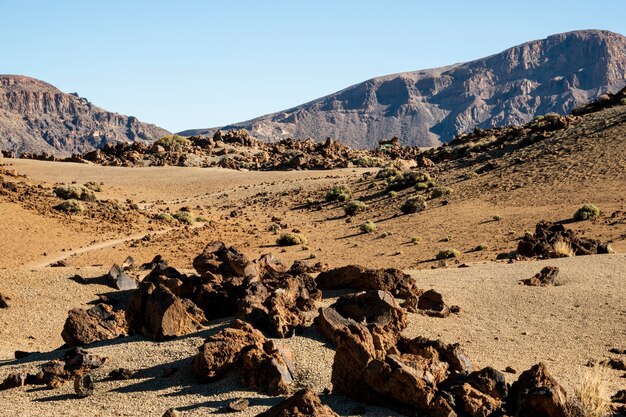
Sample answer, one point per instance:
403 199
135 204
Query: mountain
426 107
37 117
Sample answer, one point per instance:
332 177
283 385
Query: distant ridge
426 107
37 117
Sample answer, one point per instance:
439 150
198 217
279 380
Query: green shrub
497 218
586 212
70 206
392 194
74 192
406 180
340 193
387 173
448 253
413 205
291 239
184 217
421 186
440 192
202 219
165 217
415 240
93 186
172 141
353 207
368 227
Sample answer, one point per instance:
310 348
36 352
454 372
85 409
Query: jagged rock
119 280
14 380
473 403
489 381
121 374
172 412
547 276
542 243
155 312
128 263
224 349
614 363
304 403
95 324
75 363
218 259
619 397
458 362
431 303
269 370
537 394
240 404
84 386
4 301
331 324
355 277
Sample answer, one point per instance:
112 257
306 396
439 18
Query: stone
172 412
13 380
268 369
474 403
121 374
537 394
489 381
304 403
355 277
614 363
240 404
4 301
84 386
546 277
119 280
431 304
331 324
95 324
218 259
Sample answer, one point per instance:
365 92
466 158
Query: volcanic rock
4 301
542 243
84 386
546 277
431 303
121 374
14 380
95 324
118 278
304 403
240 404
358 278
269 370
537 394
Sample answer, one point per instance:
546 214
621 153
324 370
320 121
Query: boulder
489 381
13 380
155 312
355 277
473 403
119 280
431 303
218 259
4 301
268 370
304 403
542 243
223 350
331 324
546 277
537 394
84 386
95 324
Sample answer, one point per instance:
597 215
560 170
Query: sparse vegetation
165 217
353 207
70 206
497 218
184 217
172 141
586 212
448 253
368 227
93 186
440 192
392 194
340 193
563 249
415 240
387 172
74 192
413 205
591 397
407 179
274 228
291 239
202 219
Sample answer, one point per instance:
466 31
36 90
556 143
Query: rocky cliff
37 117
425 107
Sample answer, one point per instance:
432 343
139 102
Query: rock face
304 403
422 108
36 117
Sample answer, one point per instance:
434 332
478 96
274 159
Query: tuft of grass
93 186
415 240
448 253
184 217
392 194
591 397
291 239
340 193
165 217
74 192
172 141
413 205
496 218
440 192
407 179
202 219
70 206
563 249
586 212
368 227
387 172
353 207
274 228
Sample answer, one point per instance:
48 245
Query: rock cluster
304 403
549 239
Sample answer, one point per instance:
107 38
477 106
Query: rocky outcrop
36 117
425 107
553 240
546 277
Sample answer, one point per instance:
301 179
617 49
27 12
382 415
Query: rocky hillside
425 107
37 117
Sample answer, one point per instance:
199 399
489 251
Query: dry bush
563 249
591 397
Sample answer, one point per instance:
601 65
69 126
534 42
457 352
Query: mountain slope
37 117
425 107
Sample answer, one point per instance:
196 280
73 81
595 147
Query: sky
196 64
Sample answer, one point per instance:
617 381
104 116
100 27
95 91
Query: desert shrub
165 217
591 397
497 218
421 186
368 227
586 212
407 179
392 194
353 207
184 217
291 239
202 219
274 228
563 249
340 193
387 173
440 192
415 240
481 247
93 186
413 205
172 141
74 192
552 116
448 253
70 206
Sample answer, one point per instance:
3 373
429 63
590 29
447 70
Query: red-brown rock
537 394
355 277
95 324
304 403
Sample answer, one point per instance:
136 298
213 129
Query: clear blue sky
193 64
